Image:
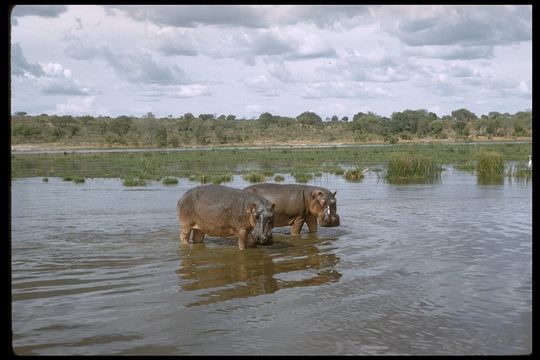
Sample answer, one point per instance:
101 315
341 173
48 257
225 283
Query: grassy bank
215 163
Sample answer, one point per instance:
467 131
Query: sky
245 60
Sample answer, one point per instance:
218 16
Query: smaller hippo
296 204
219 210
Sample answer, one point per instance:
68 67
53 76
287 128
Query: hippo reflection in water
219 210
297 204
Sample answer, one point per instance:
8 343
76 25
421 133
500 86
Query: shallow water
439 268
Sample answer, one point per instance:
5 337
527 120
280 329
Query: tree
345 119
334 118
149 115
231 117
309 118
206 117
21 113
266 119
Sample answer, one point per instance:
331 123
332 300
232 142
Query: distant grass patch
353 174
465 165
133 181
254 177
412 167
490 163
279 178
170 181
302 177
74 178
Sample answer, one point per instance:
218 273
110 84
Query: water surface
416 269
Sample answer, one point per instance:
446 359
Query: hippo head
323 204
262 221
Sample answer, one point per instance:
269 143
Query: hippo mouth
328 219
255 240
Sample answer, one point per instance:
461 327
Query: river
413 269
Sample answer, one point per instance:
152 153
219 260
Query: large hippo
219 210
297 204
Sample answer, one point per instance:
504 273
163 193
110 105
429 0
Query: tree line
210 129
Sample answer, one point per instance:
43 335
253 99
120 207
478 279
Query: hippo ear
272 207
335 192
316 194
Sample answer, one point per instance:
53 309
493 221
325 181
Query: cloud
20 66
463 25
247 16
76 106
373 66
135 66
196 15
341 89
187 91
450 52
140 67
49 78
49 11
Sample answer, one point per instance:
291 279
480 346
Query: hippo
296 204
219 210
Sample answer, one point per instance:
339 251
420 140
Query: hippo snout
263 239
329 219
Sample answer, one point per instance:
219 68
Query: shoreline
51 148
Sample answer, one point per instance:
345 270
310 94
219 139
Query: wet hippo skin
220 211
296 204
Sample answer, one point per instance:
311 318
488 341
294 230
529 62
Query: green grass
170 181
133 181
254 177
354 174
302 177
74 178
490 163
412 167
156 165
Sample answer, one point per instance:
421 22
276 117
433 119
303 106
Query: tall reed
490 163
412 167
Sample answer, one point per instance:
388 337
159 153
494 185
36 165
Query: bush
254 177
354 174
490 163
405 166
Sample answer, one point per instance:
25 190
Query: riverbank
92 147
286 159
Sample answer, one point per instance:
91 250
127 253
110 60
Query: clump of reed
254 177
302 177
45 179
211 178
133 181
412 167
74 178
354 174
169 181
490 163
279 178
465 165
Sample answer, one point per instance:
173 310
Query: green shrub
490 163
354 174
170 181
133 181
254 177
406 166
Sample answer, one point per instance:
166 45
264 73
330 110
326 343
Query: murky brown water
413 269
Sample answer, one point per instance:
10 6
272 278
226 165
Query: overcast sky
249 59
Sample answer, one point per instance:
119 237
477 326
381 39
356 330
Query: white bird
530 162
